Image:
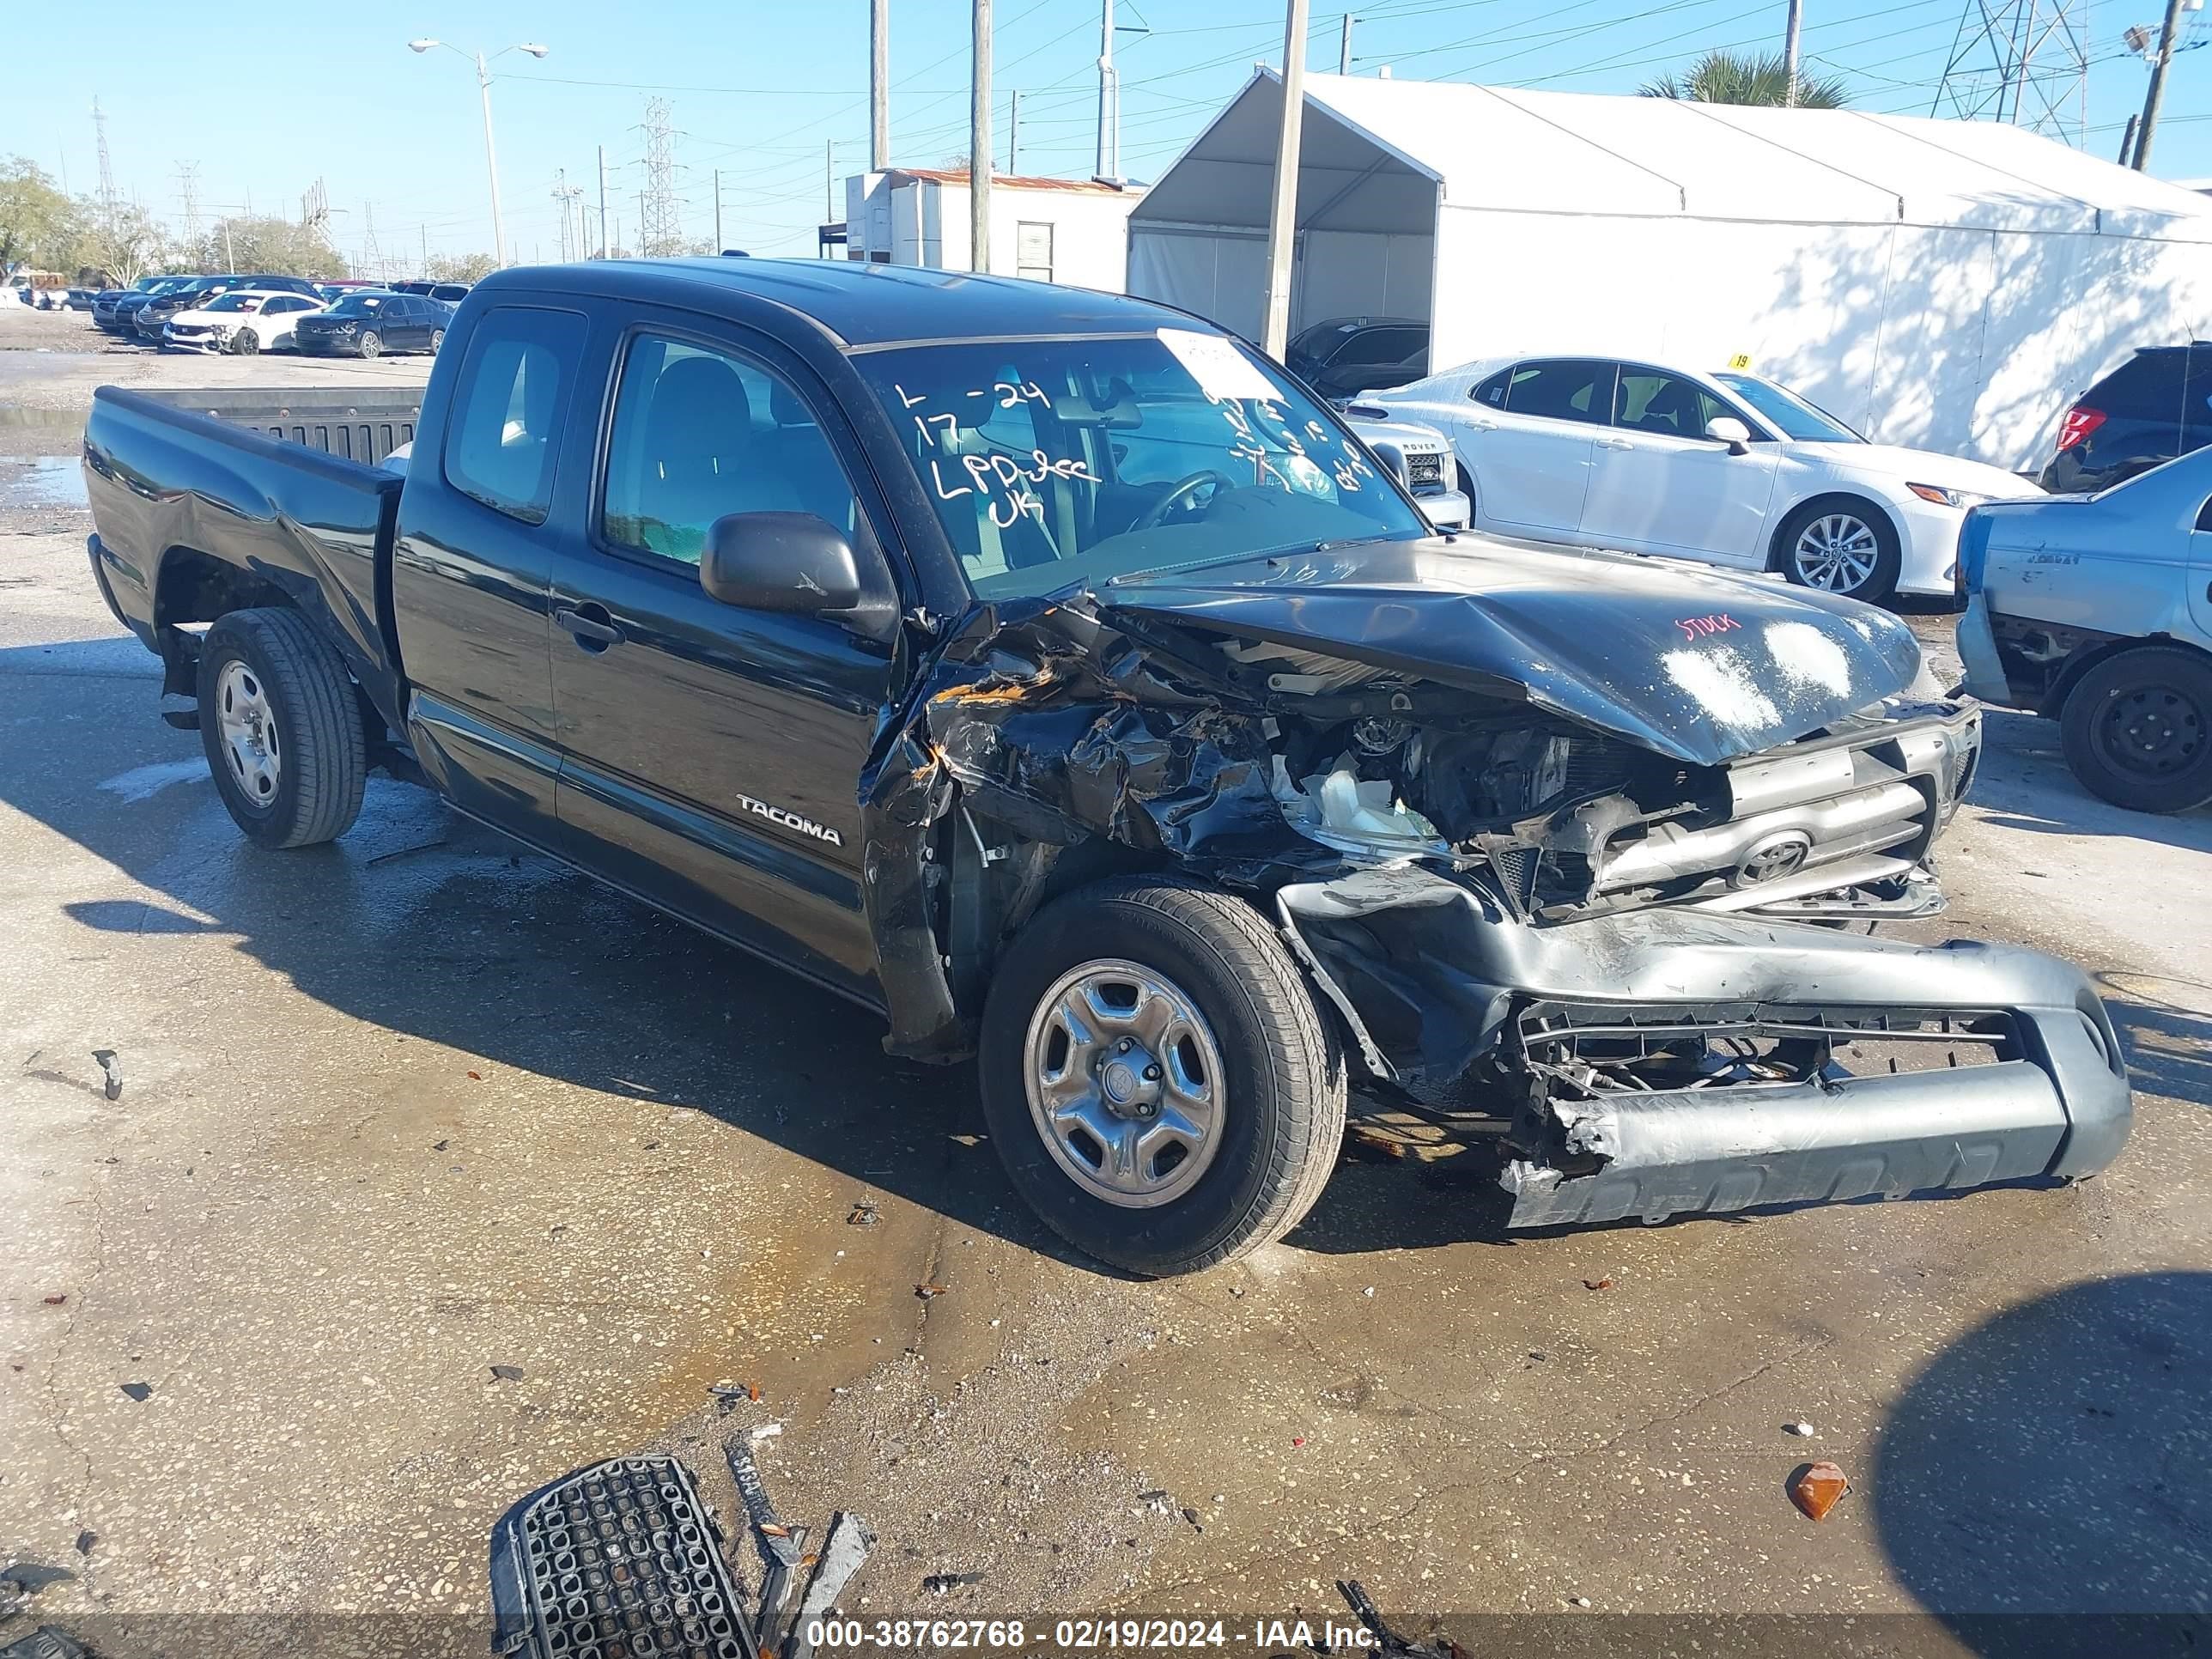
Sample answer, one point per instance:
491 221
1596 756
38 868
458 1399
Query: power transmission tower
2022 61
571 198
372 260
188 198
315 207
106 168
658 231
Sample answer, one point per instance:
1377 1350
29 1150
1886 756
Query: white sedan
1726 468
243 320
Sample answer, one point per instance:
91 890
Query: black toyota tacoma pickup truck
1054 675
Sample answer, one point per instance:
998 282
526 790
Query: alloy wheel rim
1124 1081
1836 552
247 726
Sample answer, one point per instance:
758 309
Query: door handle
599 632
1484 426
1614 443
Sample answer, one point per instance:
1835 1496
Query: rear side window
510 405
1565 389
2147 387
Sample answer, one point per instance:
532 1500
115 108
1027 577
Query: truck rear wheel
2137 729
281 729
1157 1080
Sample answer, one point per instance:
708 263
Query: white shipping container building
1050 230
1946 284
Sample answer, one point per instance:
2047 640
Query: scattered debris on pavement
1605 1284
926 1291
55 1301
45 1643
939 1584
21 1580
765 1432
865 1213
507 1373
1816 1487
85 1540
1802 1431
141 1392
111 1071
1387 1640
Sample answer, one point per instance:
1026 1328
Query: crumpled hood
1698 665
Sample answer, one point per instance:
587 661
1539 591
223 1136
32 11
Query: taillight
2080 423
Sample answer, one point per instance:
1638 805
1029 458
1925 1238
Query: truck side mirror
795 564
1726 429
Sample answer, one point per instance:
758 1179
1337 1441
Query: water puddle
43 481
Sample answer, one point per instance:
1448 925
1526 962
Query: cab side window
508 411
699 434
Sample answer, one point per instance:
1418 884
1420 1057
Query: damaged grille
619 1561
1809 821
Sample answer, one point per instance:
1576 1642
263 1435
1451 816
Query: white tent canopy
1944 283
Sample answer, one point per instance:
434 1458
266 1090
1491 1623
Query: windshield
1785 409
359 305
236 302
1062 461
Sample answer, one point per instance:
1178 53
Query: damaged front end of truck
1526 820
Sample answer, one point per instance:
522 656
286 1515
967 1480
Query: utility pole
879 86
1344 41
491 164
606 247
1789 52
1283 212
718 210
2128 138
979 149
2156 95
1109 98
829 186
1014 135
106 171
425 231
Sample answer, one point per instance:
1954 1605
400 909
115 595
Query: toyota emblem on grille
1774 857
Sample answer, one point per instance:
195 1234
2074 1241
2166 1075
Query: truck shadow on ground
424 924
2024 783
2051 1463
2165 1031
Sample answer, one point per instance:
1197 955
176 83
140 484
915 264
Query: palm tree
1721 77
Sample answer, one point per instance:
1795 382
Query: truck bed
189 488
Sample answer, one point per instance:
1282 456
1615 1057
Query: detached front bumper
1430 975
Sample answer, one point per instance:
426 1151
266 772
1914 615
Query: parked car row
244 314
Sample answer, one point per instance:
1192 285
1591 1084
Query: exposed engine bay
1588 905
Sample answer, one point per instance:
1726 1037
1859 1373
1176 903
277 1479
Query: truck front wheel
1157 1080
281 728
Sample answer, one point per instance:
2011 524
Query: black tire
370 344
437 340
1881 582
311 702
1283 1113
2136 729
245 343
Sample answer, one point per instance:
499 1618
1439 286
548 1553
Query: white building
1941 283
1052 230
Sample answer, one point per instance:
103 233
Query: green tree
126 243
1723 77
460 268
276 246
40 226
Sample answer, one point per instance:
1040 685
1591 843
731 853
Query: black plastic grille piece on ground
616 1561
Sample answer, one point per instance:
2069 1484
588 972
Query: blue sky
331 92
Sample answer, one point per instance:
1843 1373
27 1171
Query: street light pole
491 152
1282 214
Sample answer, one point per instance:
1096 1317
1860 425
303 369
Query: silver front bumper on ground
1431 975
